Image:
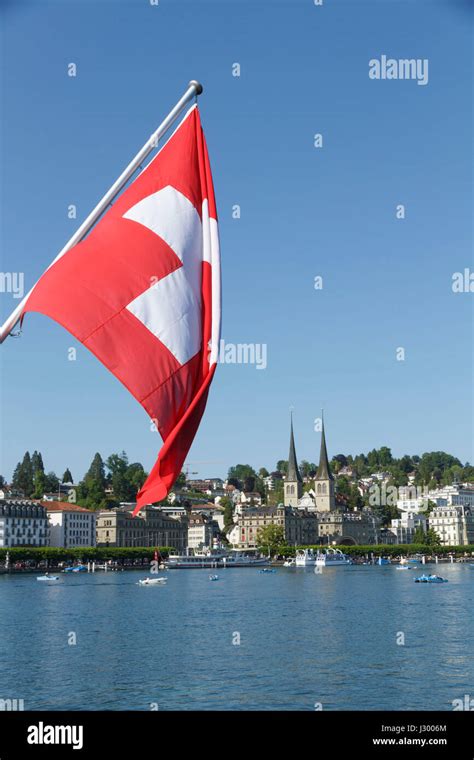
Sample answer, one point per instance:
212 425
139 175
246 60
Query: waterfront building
163 530
202 531
70 526
299 527
349 528
152 526
454 524
404 527
23 523
385 536
117 527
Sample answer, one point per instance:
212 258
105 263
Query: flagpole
194 89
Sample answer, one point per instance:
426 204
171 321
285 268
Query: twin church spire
324 496
324 471
293 470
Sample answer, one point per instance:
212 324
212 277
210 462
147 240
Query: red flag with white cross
142 292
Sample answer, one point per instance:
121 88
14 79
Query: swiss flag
142 292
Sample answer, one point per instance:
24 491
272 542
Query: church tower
293 483
324 481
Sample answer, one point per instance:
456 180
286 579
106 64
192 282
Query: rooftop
63 506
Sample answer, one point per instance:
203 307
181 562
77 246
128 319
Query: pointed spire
293 471
324 471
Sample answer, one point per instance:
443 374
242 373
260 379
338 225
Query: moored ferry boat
213 559
305 558
332 558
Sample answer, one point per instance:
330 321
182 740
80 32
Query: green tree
67 477
126 479
406 464
432 538
468 473
419 536
36 463
307 469
343 486
91 490
282 466
135 477
180 480
399 478
96 471
373 459
276 495
270 538
23 476
355 499
39 485
51 482
360 465
432 461
384 456
228 505
117 464
243 476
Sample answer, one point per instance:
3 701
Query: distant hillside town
364 500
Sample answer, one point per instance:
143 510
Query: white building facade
70 526
202 532
405 526
23 523
453 524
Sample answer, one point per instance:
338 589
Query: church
335 524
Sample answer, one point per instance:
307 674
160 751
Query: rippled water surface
305 638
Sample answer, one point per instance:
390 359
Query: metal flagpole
194 89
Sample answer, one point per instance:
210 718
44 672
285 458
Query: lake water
305 638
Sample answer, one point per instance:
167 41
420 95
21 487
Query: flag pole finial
197 86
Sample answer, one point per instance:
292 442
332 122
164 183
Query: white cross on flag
142 292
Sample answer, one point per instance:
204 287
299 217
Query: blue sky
304 212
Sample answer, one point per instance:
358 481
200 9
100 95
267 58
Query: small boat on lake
268 570
152 581
213 577
430 579
290 563
47 577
